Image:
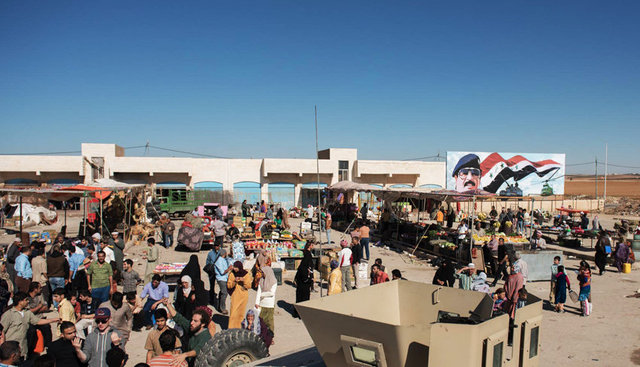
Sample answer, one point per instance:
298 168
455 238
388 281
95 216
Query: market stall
170 272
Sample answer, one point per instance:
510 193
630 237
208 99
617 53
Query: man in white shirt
109 256
344 260
462 231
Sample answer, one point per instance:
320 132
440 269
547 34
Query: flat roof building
283 180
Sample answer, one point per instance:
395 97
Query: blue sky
396 80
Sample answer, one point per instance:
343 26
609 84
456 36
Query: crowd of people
99 300
94 292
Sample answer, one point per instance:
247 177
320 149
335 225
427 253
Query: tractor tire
230 348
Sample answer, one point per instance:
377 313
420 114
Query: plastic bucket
626 268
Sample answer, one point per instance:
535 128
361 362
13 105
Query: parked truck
403 324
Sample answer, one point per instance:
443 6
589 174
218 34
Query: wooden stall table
170 272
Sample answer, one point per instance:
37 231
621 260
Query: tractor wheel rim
238 359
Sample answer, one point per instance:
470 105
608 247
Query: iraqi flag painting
506 174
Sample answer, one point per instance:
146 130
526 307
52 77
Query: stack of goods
295 253
169 268
247 235
286 235
238 221
433 234
254 245
507 239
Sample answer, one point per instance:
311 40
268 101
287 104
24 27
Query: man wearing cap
100 340
121 316
95 241
117 245
466 276
467 173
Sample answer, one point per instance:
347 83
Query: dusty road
607 338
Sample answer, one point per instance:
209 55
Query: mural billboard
506 174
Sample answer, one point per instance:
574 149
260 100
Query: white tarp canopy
31 213
348 186
108 183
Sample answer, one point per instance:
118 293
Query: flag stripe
494 158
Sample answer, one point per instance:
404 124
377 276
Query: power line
185 152
579 164
618 165
45 153
421 158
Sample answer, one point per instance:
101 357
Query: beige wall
154 170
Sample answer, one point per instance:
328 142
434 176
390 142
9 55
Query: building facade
288 181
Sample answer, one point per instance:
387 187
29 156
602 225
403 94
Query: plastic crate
290 264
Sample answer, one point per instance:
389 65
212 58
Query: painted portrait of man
467 173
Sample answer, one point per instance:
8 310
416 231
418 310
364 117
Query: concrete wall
189 171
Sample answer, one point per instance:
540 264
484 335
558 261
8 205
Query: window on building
97 167
343 170
533 345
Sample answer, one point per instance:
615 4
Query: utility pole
315 110
596 178
606 164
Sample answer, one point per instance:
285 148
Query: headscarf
479 284
192 269
305 269
334 264
262 259
241 272
186 290
268 276
255 327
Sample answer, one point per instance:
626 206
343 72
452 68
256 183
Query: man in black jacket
66 350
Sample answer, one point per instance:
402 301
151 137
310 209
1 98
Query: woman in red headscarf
238 286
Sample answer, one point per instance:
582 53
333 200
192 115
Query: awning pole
100 192
21 219
84 215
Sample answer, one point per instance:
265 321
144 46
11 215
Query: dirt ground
618 185
607 338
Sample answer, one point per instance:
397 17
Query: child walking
562 284
584 277
554 272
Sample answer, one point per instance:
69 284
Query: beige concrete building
288 181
